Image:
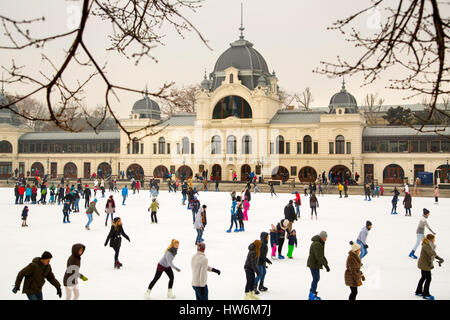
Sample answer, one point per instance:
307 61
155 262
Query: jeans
199 236
89 215
108 214
77 208
153 217
35 296
184 198
66 217
297 210
418 241
199 295
262 275
363 249
233 220
316 277
124 198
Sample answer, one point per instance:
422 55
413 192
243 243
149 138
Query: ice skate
262 288
247 296
170 295
229 230
280 257
147 294
428 297
253 296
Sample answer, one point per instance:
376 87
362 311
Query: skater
124 194
407 203
72 274
21 194
195 206
250 268
305 189
24 216
16 193
345 189
353 275
233 216
273 240
110 209
368 192
33 194
184 189
436 194
420 231
261 265
425 264
320 189
314 204
394 201
340 188
246 207
28 194
316 261
115 240
103 190
272 190
292 240
154 206
298 203
200 269
166 265
66 211
217 185
377 191
35 275
239 213
199 226
289 214
76 197
362 238
52 194
92 208
87 196
281 229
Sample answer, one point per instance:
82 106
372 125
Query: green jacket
35 274
92 208
153 206
427 255
316 257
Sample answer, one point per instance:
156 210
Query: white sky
290 34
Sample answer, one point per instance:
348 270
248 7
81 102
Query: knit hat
201 247
355 246
425 211
368 223
323 234
284 224
116 219
46 255
95 200
290 201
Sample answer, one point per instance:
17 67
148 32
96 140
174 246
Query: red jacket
21 191
298 201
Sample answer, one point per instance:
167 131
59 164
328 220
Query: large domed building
146 108
343 99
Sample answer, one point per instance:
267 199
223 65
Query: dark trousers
340 194
421 288
116 254
153 216
280 245
354 292
250 275
241 223
313 209
201 293
86 202
408 211
316 277
233 220
66 217
158 274
35 296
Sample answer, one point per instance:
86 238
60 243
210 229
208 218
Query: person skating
292 240
16 193
289 214
281 229
35 275
24 216
233 216
200 269
345 189
246 207
239 213
273 240
272 189
184 189
425 264
420 231
199 226
28 194
368 192
124 194
407 203
72 274
394 201
436 194
154 206
362 238
76 196
87 196
314 204
261 265
110 209
21 193
92 208
316 261
298 203
115 239
340 188
250 268
353 275
66 211
165 265
52 194
194 205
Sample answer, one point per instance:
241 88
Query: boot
411 255
253 296
247 296
170 295
229 230
147 294
106 223
116 265
428 297
262 288
280 257
120 264
256 291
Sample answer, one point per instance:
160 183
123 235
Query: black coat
115 237
262 259
289 213
252 258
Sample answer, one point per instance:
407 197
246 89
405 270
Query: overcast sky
290 34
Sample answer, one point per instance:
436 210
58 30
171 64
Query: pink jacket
246 204
436 192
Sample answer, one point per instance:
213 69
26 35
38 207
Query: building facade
238 126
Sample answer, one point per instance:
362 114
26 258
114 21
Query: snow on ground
390 273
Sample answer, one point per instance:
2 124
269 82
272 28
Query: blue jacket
233 207
125 191
28 191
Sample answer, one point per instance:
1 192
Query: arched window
216 145
5 147
161 145
231 78
279 145
307 144
135 147
232 106
246 144
340 144
231 145
185 145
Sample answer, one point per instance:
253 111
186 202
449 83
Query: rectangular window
435 146
38 148
423 146
349 147
155 148
418 168
58 148
51 148
168 148
32 148
383 146
45 147
128 148
299 147
288 147
445 145
142 148
393 146
192 148
316 147
293 171
271 148
258 169
403 146
331 148
78 148
178 148
414 146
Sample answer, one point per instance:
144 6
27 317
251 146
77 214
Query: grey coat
167 261
422 224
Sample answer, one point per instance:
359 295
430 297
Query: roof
147 108
294 116
396 131
61 135
180 119
343 99
413 107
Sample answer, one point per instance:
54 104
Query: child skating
24 216
154 206
292 240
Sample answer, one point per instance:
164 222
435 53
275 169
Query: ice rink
390 273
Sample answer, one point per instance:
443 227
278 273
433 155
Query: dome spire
343 84
3 91
241 37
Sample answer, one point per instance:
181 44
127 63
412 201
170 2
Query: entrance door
368 172
5 169
54 170
87 170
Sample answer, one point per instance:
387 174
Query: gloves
366 246
269 262
327 268
363 278
83 278
15 289
216 271
58 292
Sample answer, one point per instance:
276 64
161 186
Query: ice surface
390 273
